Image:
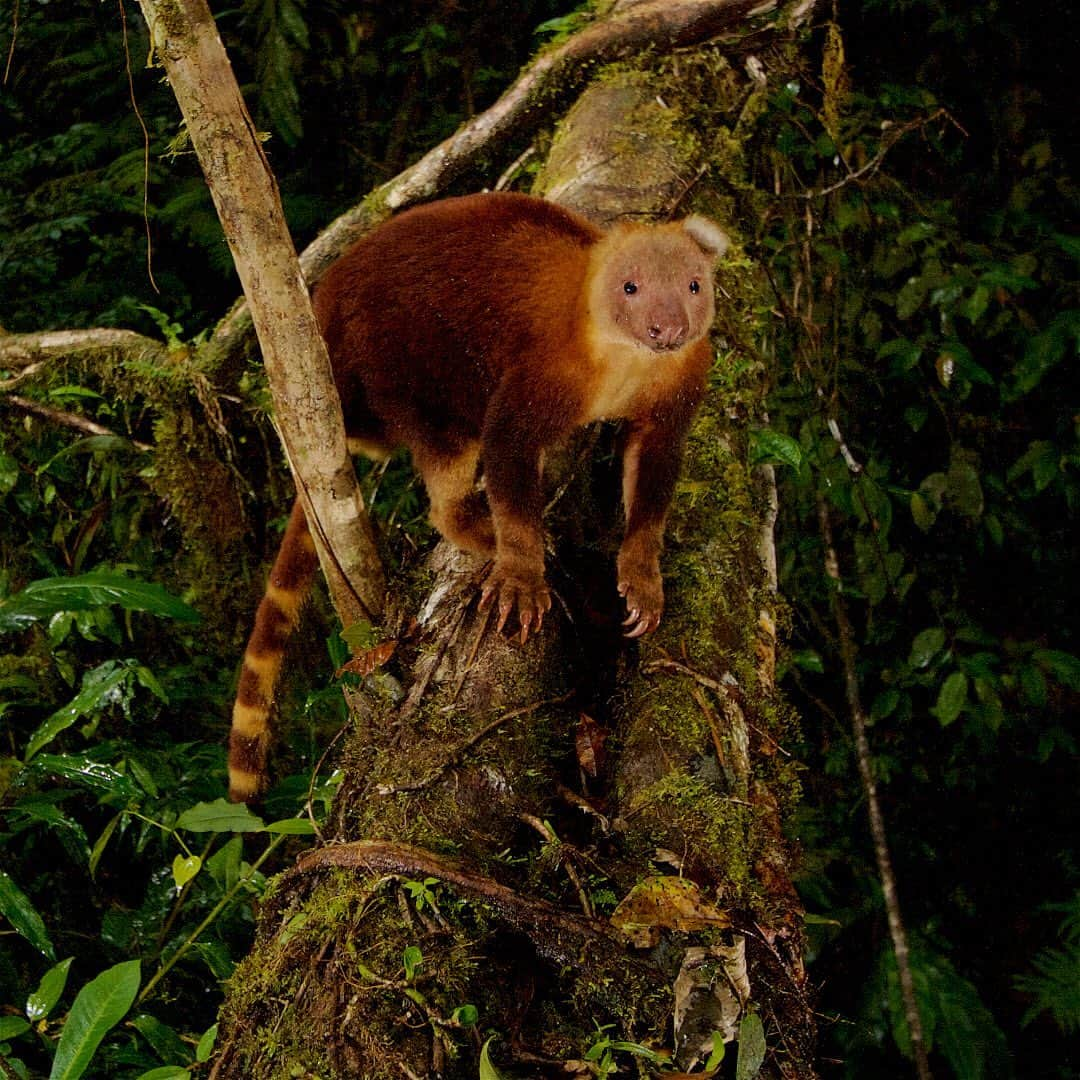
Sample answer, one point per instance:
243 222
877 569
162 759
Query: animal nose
667 335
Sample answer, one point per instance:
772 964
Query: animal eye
695 286
629 287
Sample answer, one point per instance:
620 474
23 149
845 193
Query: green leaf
99 1006
751 1047
904 354
952 697
927 644
956 1022
922 512
184 868
885 704
768 447
43 1000
915 417
411 959
910 297
102 842
465 1015
98 687
808 660
964 492
292 827
1042 460
1062 665
219 816
166 1042
86 772
15 906
11 1027
1045 351
360 636
1033 686
206 1044
487 1070
976 304
44 598
224 866
717 1054
9 473
165 1072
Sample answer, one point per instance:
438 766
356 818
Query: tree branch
557 935
29 353
557 75
877 820
66 419
245 193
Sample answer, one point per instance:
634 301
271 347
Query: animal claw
641 628
632 617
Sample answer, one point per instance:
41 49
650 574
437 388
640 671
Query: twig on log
556 935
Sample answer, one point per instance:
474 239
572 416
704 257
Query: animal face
654 285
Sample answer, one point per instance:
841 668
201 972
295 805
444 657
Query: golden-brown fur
478 332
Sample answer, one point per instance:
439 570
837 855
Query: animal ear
708 235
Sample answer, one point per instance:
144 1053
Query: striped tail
290 579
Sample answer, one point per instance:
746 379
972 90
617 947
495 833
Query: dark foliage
930 312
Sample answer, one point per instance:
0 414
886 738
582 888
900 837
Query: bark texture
245 194
580 838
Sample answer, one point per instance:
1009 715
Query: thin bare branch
877 819
65 419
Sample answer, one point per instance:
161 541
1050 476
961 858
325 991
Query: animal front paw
517 589
641 586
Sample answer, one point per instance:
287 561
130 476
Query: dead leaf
365 662
589 744
665 903
711 989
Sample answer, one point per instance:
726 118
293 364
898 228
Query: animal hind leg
458 510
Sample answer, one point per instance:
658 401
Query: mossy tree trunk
577 843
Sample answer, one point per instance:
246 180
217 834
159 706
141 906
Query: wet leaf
16 907
184 868
927 644
768 447
43 1000
487 1070
98 688
43 599
206 1044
